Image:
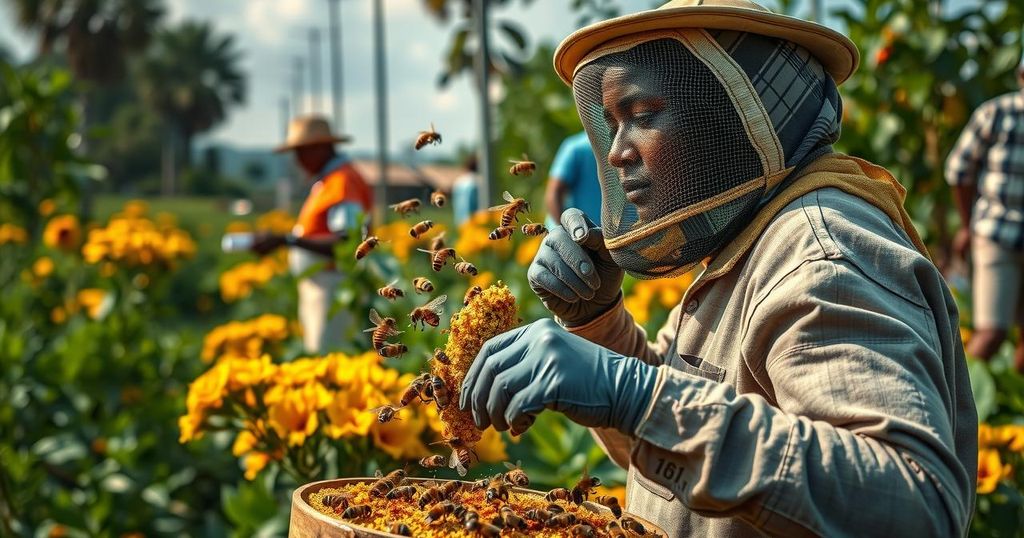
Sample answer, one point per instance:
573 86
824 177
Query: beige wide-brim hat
835 51
309 131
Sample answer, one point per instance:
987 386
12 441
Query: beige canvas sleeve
617 331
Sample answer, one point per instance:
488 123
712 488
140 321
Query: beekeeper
812 381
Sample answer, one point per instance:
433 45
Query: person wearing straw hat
812 382
338 205
986 172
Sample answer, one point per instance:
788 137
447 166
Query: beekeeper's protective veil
693 129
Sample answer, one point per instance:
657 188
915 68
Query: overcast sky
272 32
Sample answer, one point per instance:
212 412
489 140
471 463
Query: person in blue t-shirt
465 192
572 180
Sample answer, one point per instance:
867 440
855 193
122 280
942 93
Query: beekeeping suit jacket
812 382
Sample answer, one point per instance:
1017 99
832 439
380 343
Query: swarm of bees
426 138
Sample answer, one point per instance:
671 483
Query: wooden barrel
306 522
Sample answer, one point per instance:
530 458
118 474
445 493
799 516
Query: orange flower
990 470
43 267
491 447
254 462
62 232
294 417
47 207
10 233
95 302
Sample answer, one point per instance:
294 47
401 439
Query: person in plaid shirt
986 171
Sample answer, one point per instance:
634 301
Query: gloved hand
573 273
519 373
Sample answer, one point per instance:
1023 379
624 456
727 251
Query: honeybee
558 494
554 508
501 232
614 530
562 520
539 515
496 490
633 526
524 167
384 484
582 530
402 492
441 394
431 496
421 228
427 137
386 413
437 243
461 455
469 516
465 268
438 199
512 209
390 292
366 246
358 511
440 356
515 475
400 529
415 390
383 328
612 503
470 294
482 529
438 512
390 351
450 488
534 228
335 501
430 313
436 461
584 487
508 519
439 257
422 285
411 205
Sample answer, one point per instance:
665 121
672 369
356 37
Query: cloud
272 21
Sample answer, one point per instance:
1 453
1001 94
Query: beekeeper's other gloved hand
540 366
573 273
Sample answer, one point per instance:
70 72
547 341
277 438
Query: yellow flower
483 279
348 412
965 335
238 226
276 221
62 232
254 462
639 307
47 207
42 267
240 281
990 470
401 438
10 233
294 417
491 447
190 425
244 443
94 300
58 315
208 390
135 208
527 250
244 373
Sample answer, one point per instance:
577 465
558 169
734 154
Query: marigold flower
11 233
348 412
62 232
208 390
990 470
244 443
491 447
254 462
240 281
276 221
47 207
43 267
294 417
400 438
94 301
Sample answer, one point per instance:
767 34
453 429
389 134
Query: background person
466 191
986 172
815 364
338 201
572 180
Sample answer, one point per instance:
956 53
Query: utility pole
285 187
486 159
315 65
816 13
297 90
334 33
380 66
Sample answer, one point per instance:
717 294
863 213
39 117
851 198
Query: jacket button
691 306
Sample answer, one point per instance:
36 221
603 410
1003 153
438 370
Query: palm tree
191 76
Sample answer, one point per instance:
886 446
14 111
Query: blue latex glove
540 366
573 273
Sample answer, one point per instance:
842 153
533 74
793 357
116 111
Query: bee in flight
411 205
439 257
440 390
390 292
582 490
422 285
511 210
390 351
436 461
427 137
534 229
430 313
437 243
524 167
440 356
421 228
366 246
470 294
465 268
418 388
386 413
461 456
383 328
438 199
501 232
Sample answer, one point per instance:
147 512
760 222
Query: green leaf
983 387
